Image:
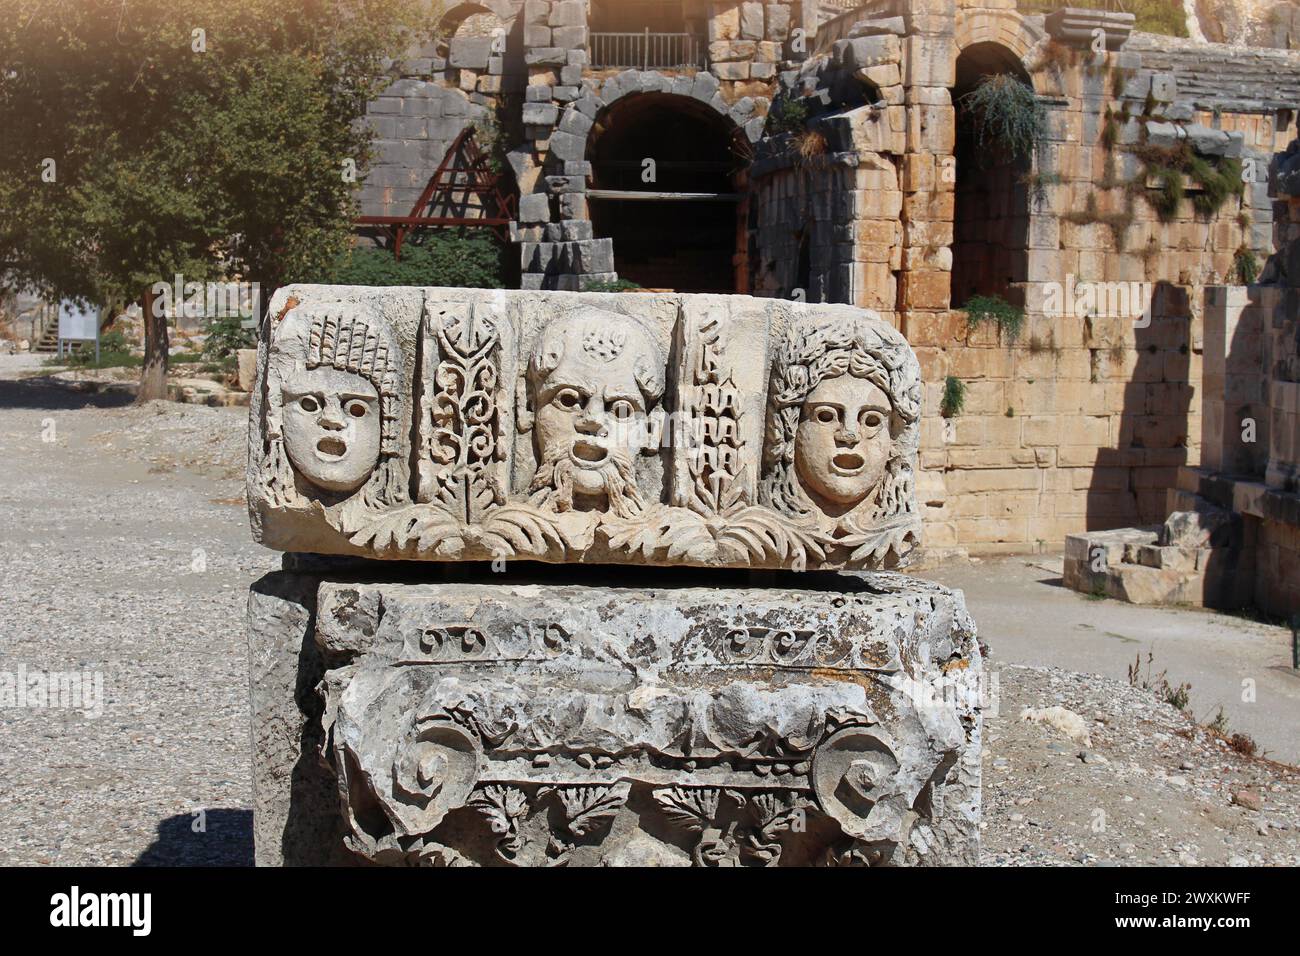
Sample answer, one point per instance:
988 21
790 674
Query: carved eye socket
309 404
825 415
357 408
622 410
872 419
567 398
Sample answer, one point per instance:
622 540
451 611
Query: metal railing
646 51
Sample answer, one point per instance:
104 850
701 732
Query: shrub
1006 113
607 285
787 116
226 336
1245 265
467 258
954 397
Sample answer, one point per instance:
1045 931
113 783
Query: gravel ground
119 559
127 553
1149 787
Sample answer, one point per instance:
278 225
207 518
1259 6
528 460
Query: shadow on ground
38 394
221 837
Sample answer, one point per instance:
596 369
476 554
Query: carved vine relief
633 456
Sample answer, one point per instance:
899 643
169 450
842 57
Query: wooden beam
637 195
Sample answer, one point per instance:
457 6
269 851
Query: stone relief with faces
711 431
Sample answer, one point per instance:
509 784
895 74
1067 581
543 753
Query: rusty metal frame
440 193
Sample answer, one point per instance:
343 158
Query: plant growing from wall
1245 265
983 309
1120 78
787 115
1109 131
954 397
1169 168
1037 183
1006 114
1118 222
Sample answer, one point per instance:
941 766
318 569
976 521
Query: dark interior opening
991 218
635 16
666 243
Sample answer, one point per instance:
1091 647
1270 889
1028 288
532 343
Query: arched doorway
991 217
471 20
667 173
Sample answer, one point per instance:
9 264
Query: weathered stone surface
449 424
295 799
539 724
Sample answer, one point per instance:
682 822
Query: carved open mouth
586 453
848 463
331 448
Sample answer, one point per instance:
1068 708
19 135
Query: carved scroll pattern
468 643
464 442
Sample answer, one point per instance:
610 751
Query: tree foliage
146 138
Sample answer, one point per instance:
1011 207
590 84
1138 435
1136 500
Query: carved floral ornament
572 432
441 796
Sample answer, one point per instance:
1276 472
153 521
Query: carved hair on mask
594 382
843 424
333 418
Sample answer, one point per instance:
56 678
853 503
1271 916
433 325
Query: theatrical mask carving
331 427
332 406
843 425
594 380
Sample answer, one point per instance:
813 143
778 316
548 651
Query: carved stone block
455 424
561 724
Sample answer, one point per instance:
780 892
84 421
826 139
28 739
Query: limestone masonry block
520 724
438 424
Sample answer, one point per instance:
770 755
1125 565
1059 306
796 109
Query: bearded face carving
594 383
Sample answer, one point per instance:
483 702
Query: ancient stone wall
1084 418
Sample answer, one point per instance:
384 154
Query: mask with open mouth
843 443
331 427
595 380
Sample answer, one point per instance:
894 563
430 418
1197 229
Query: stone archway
992 211
668 188
1006 29
478 20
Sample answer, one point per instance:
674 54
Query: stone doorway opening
990 252
667 187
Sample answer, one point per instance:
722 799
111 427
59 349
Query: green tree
212 138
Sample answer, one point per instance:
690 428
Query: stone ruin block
456 424
564 724
463 718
